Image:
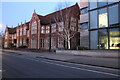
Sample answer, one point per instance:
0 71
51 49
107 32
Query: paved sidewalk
95 61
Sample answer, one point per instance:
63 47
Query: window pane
94 39
84 11
113 15
103 19
103 39
112 1
93 19
93 5
102 3
84 26
115 38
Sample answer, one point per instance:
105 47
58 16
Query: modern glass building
104 25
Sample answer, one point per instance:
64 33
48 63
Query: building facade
104 25
97 26
84 33
41 32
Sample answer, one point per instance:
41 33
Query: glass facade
84 11
84 26
104 25
103 39
93 19
103 18
115 38
93 5
94 39
102 3
113 15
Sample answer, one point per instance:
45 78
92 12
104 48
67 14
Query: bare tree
69 18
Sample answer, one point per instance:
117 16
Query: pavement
87 60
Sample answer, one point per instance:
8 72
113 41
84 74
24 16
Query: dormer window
34 28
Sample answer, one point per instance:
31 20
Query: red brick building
41 31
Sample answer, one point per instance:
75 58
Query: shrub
10 45
22 47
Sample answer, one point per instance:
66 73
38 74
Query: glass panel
84 11
113 15
112 1
84 26
93 5
103 39
102 3
115 38
103 18
94 39
93 19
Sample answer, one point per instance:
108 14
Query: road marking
82 69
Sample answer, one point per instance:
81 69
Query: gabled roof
50 18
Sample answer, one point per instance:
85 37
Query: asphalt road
20 66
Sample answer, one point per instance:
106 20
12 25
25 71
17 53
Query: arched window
34 28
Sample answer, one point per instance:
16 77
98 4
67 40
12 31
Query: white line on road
81 69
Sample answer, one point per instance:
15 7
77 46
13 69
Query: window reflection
113 15
93 4
84 26
84 11
102 3
94 39
115 38
93 19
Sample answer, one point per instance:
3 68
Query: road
20 66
